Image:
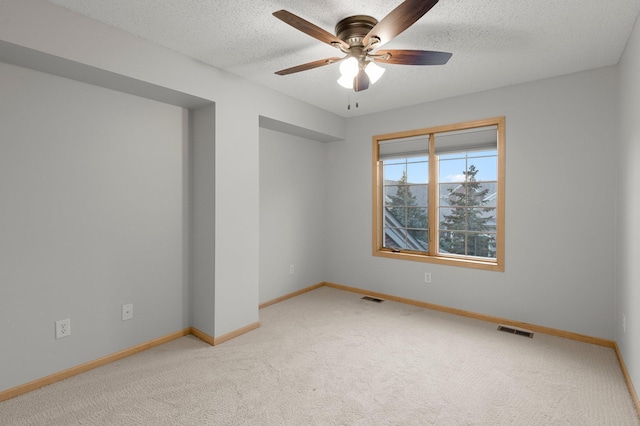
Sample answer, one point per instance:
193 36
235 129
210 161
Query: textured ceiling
494 43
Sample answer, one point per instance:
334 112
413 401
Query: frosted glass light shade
374 72
346 82
348 71
349 67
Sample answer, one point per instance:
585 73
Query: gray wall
202 219
292 212
92 218
561 138
628 290
71 45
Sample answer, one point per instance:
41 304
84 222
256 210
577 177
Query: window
439 194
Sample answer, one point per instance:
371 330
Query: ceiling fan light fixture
349 68
346 82
374 71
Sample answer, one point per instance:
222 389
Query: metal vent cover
517 331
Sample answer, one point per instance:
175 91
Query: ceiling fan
359 37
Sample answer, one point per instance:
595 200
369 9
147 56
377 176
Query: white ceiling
494 43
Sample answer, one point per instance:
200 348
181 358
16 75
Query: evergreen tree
403 207
467 215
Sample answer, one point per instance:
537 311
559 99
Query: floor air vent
373 299
517 331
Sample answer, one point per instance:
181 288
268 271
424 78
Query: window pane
417 217
418 239
453 219
486 168
452 170
452 242
420 194
396 216
393 172
481 219
406 196
395 238
392 196
483 194
476 194
453 194
418 172
481 245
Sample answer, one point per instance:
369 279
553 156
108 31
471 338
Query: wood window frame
432 255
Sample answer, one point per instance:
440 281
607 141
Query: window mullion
433 197
378 203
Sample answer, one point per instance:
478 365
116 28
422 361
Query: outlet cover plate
127 311
63 328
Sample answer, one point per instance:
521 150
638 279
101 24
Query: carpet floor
327 357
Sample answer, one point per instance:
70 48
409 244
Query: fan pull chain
349 102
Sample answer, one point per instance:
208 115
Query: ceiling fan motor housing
353 29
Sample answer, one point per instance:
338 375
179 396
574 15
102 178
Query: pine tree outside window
438 194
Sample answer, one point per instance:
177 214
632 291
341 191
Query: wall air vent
373 299
517 331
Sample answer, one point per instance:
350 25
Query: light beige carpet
329 358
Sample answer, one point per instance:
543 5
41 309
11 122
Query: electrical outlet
63 328
292 269
127 311
427 277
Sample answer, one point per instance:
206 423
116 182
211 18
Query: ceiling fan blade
412 57
361 81
309 66
309 28
398 20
